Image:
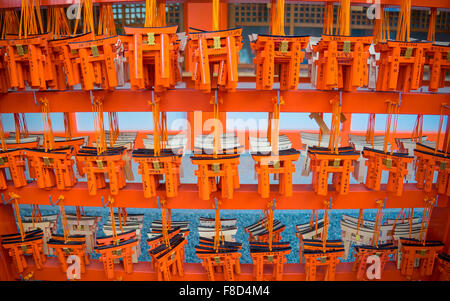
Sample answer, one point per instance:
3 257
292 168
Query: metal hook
399 99
3 200
51 201
340 98
157 200
35 100
92 97
215 203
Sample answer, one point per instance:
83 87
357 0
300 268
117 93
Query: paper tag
216 42
215 167
20 51
408 52
100 164
150 38
284 45
347 45
94 50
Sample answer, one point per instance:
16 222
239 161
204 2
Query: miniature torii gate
68 245
23 243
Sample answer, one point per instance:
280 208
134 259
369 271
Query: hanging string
273 131
156 126
30 18
326 223
320 129
49 141
99 125
113 127
370 133
161 13
335 126
216 133
215 15
410 217
219 236
21 128
427 211
417 132
150 13
106 25
343 20
88 17
15 198
432 25
395 222
165 227
360 220
67 128
393 109
64 222
113 221
328 19
404 21
438 139
2 136
57 22
378 222
381 26
277 18
9 22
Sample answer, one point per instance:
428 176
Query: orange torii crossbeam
153 57
110 252
315 258
283 52
342 62
438 58
215 48
223 260
400 65
76 245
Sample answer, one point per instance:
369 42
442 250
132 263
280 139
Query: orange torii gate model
67 72
342 62
400 65
29 61
315 258
413 249
97 62
23 243
395 164
363 252
444 266
427 163
438 58
53 167
152 57
263 254
153 167
14 160
325 161
167 257
211 48
273 51
97 166
66 245
117 246
223 167
226 260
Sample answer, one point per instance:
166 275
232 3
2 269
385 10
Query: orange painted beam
246 197
143 271
242 100
414 3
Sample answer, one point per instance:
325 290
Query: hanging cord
15 198
216 132
438 139
277 18
165 226
328 19
113 221
270 212
273 131
57 22
333 144
381 26
99 125
360 221
67 123
326 216
9 22
378 222
395 222
106 25
150 13
88 17
156 125
393 109
432 25
64 223
21 128
417 132
218 237
426 216
404 21
410 218
49 141
113 127
30 18
343 20
370 133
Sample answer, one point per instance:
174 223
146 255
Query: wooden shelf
245 198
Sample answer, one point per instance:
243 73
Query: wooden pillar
7 226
